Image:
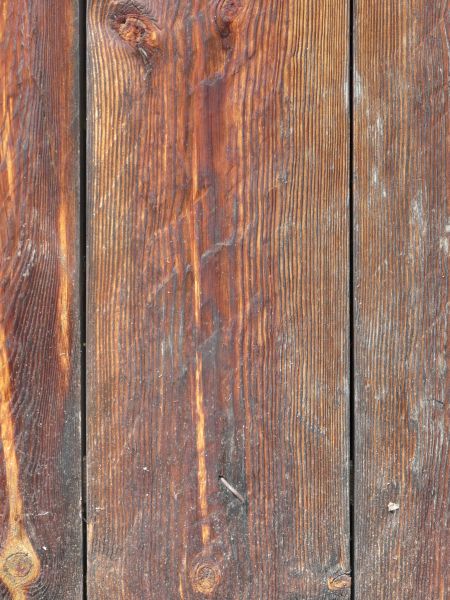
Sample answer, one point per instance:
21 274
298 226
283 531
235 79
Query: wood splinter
232 489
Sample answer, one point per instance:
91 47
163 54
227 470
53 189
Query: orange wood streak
63 296
196 267
199 406
19 563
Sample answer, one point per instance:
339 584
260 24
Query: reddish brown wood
402 231
217 299
40 524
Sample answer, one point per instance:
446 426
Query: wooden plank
40 524
402 230
217 299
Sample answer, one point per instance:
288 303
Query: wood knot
205 576
339 582
226 13
137 30
18 565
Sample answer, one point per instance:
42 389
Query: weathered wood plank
218 299
40 524
402 230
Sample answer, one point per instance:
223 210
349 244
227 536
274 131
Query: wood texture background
40 526
218 390
218 299
402 231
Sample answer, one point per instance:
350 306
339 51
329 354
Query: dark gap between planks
82 275
351 299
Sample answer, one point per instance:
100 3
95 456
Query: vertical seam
82 276
352 415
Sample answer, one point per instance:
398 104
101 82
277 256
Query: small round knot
205 576
227 12
137 30
18 565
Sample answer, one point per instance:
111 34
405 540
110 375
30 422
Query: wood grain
40 524
402 229
218 299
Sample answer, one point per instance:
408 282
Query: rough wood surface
402 236
218 299
40 532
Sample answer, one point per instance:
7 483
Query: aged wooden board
402 236
40 525
218 299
